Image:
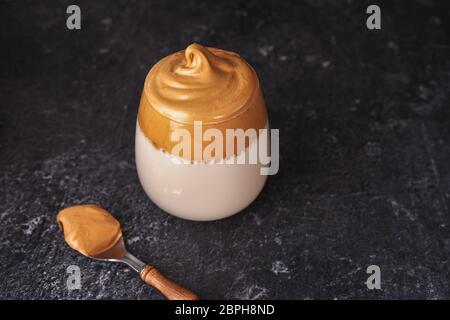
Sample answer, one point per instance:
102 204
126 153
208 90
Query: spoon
95 233
149 274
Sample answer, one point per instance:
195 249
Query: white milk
196 191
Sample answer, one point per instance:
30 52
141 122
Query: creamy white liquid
196 191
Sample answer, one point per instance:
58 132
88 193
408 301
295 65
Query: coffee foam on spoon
89 229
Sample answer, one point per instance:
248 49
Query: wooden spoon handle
170 289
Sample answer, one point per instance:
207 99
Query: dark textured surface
365 133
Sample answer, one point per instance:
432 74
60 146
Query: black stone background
364 139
